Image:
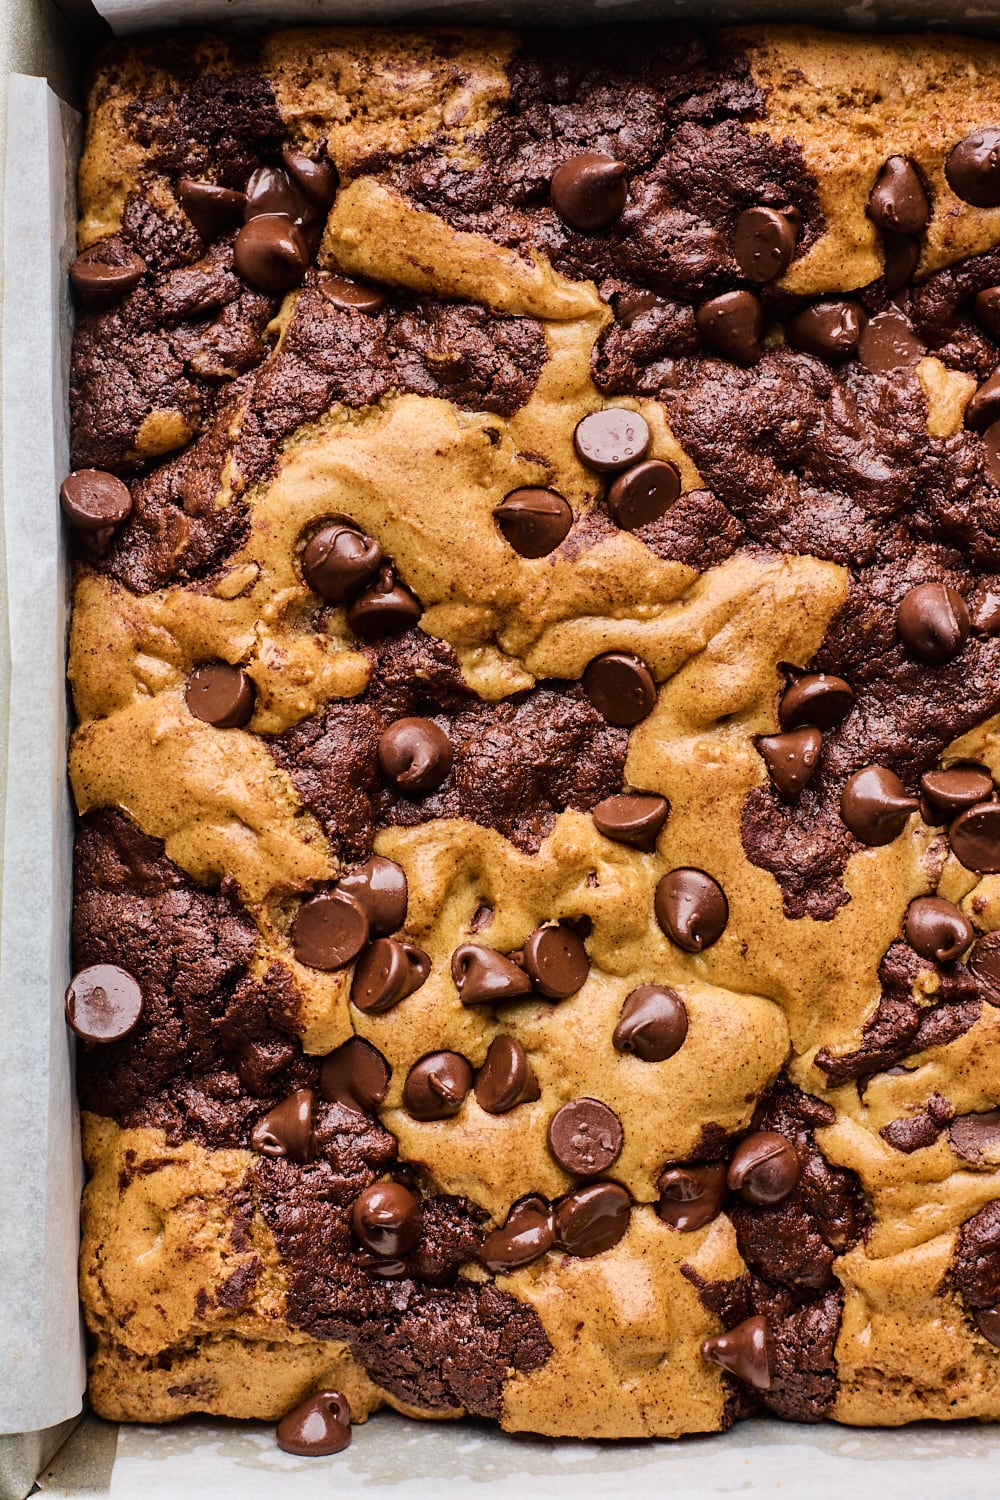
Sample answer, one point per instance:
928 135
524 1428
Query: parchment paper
41 1355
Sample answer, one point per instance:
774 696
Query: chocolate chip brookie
536 647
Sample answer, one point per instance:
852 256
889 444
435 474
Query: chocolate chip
534 521
764 243
611 440
975 838
271 254
991 447
987 310
484 977
987 1320
387 972
386 608
103 1003
318 1426
888 343
816 698
436 1087
898 201
643 494
99 281
829 330
901 256
589 192
620 687
506 1078
356 1075
690 1197
732 325
526 1236
653 1023
746 1351
764 1168
556 960
973 168
691 909
933 622
93 500
875 805
984 965
221 695
319 179
211 209
986 614
272 192
379 888
352 296
286 1130
937 929
329 930
952 791
593 1218
387 1219
633 818
415 755
339 559
976 1138
585 1137
791 758
984 407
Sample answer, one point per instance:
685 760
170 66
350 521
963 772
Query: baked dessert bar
536 651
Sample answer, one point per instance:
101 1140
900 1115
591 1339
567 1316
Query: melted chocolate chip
211 209
93 500
633 818
937 929
611 440
484 977
286 1130
318 179
329 930
534 521
99 280
950 792
589 192
103 1003
933 622
691 909
984 407
829 330
764 1168
984 965
386 973
221 695
592 1219
987 1320
976 1138
791 758
732 325
355 1074
987 310
339 559
270 253
975 838
386 608
643 494
379 888
585 1137
764 243
901 256
528 1233
556 961
387 1219
746 1351
973 168
875 805
898 201
653 1023
506 1078
272 192
352 296
815 698
690 1197
621 688
436 1087
318 1426
416 755
888 343
991 447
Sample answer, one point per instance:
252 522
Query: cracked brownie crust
536 531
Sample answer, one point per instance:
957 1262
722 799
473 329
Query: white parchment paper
41 1352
